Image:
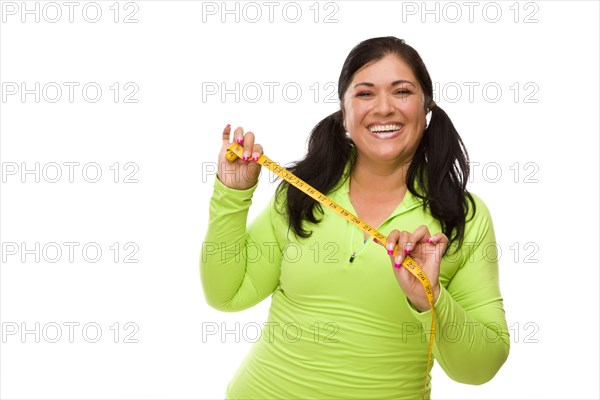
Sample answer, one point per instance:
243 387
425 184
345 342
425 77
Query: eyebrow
393 83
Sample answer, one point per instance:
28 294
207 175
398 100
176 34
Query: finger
403 274
400 254
248 145
440 241
438 238
379 242
227 133
419 234
257 151
238 135
391 241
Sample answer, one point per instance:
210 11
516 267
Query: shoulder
481 209
479 219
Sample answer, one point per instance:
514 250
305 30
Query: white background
545 208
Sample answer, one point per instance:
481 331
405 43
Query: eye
403 92
363 94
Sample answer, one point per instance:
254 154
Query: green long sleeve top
345 330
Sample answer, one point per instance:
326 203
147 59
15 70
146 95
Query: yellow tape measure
236 151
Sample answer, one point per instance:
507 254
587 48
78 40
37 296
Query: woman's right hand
242 173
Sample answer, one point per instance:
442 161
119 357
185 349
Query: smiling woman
346 320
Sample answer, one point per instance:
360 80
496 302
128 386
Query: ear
430 105
343 114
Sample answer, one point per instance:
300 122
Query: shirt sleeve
239 265
472 340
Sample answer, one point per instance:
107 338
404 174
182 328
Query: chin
387 155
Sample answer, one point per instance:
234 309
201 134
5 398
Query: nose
383 105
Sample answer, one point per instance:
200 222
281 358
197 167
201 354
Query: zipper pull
352 257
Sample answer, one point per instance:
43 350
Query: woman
346 320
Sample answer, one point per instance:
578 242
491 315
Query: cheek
352 116
416 113
360 109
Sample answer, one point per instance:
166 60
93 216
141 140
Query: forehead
384 71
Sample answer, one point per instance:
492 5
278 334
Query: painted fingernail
375 240
245 158
406 251
240 141
397 265
254 159
397 260
429 240
390 252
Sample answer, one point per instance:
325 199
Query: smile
387 131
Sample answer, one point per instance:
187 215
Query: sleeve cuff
222 189
425 316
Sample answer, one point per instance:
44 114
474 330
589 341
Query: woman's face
384 111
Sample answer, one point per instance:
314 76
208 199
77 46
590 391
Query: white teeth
384 128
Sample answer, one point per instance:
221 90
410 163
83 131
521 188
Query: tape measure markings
236 151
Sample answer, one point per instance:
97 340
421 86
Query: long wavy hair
440 165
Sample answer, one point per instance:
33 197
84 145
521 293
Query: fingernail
397 260
375 240
397 265
390 252
245 158
255 159
429 240
406 251
240 141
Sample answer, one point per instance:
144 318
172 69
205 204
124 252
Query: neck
380 176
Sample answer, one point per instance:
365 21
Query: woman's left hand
427 251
